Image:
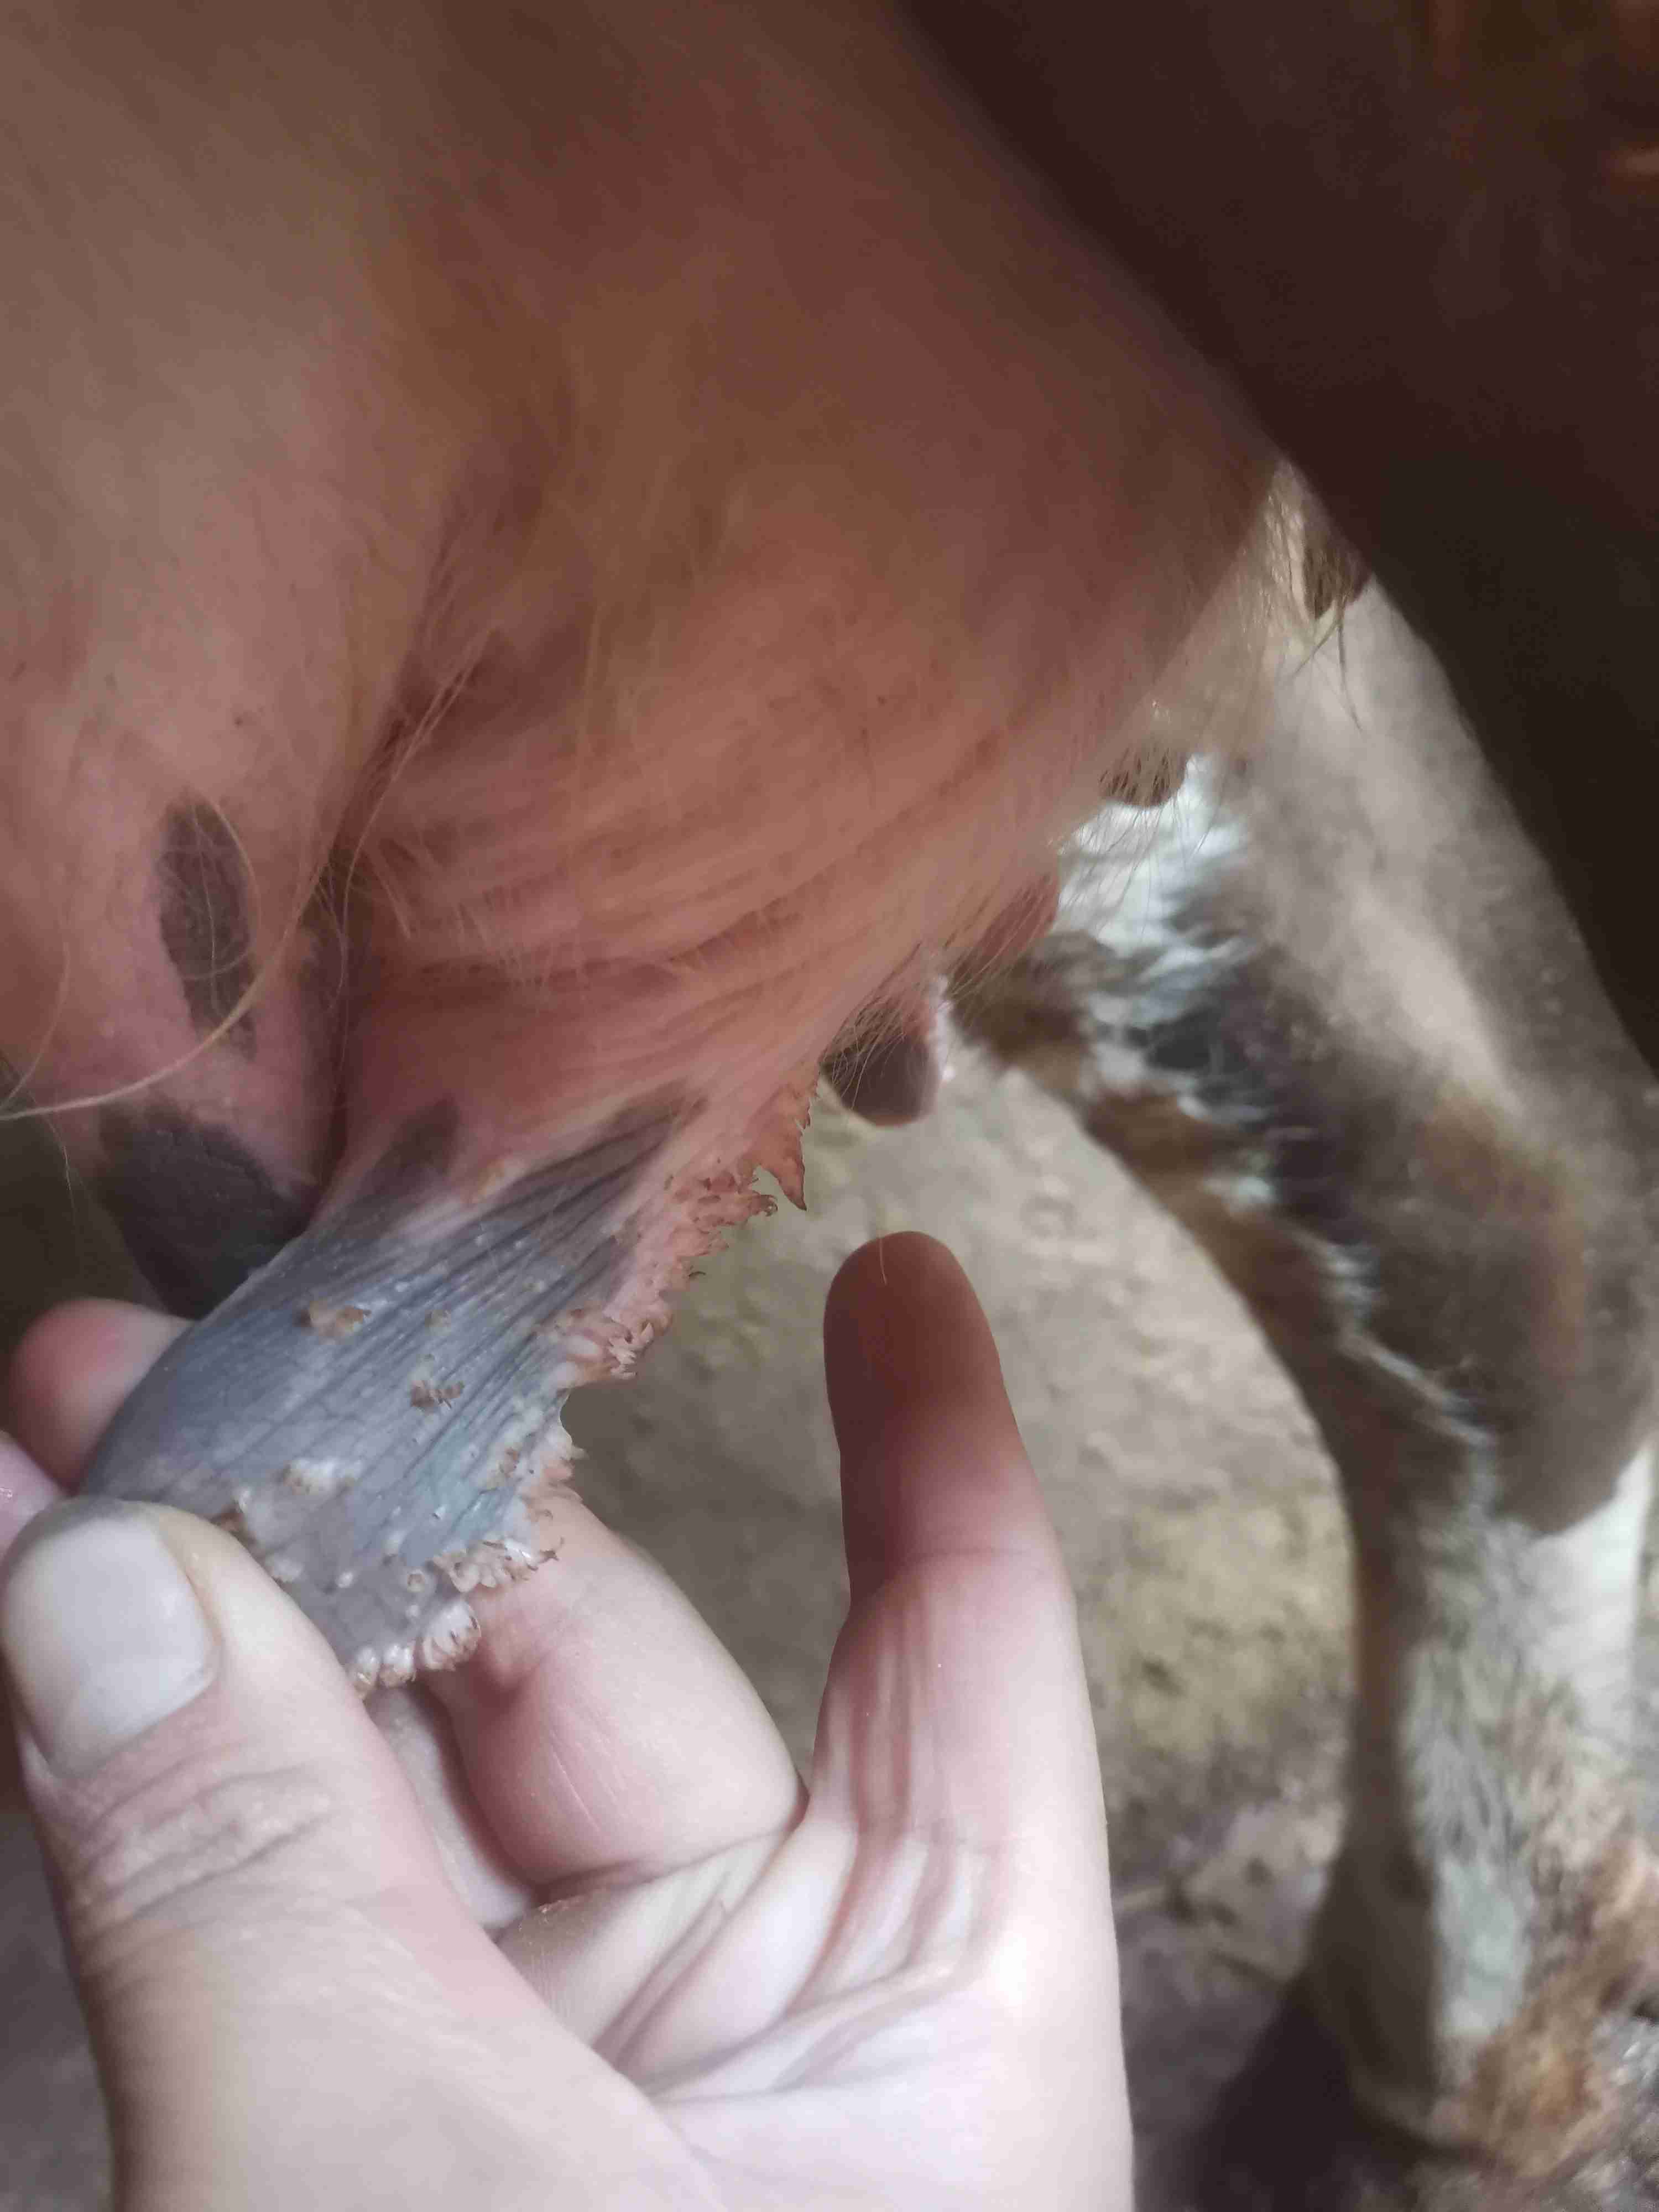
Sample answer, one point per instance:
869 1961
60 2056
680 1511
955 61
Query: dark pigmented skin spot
889 1081
198 1211
202 890
413 1169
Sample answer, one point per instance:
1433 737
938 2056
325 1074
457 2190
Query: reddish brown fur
682 598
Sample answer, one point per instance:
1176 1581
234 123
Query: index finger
957 1712
932 1459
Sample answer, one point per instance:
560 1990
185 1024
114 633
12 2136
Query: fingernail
101 1631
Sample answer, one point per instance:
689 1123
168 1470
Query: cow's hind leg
1327 1008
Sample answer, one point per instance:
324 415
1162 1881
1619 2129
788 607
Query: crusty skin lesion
275 1414
375 1414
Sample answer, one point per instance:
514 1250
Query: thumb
283 1991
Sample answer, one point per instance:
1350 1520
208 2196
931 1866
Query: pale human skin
574 1932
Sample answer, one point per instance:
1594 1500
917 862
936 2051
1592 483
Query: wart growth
382 1507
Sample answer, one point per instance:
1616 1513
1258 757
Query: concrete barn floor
1197 1513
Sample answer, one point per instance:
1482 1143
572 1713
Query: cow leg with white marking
1327 1006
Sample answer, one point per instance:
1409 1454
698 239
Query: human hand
570 1932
